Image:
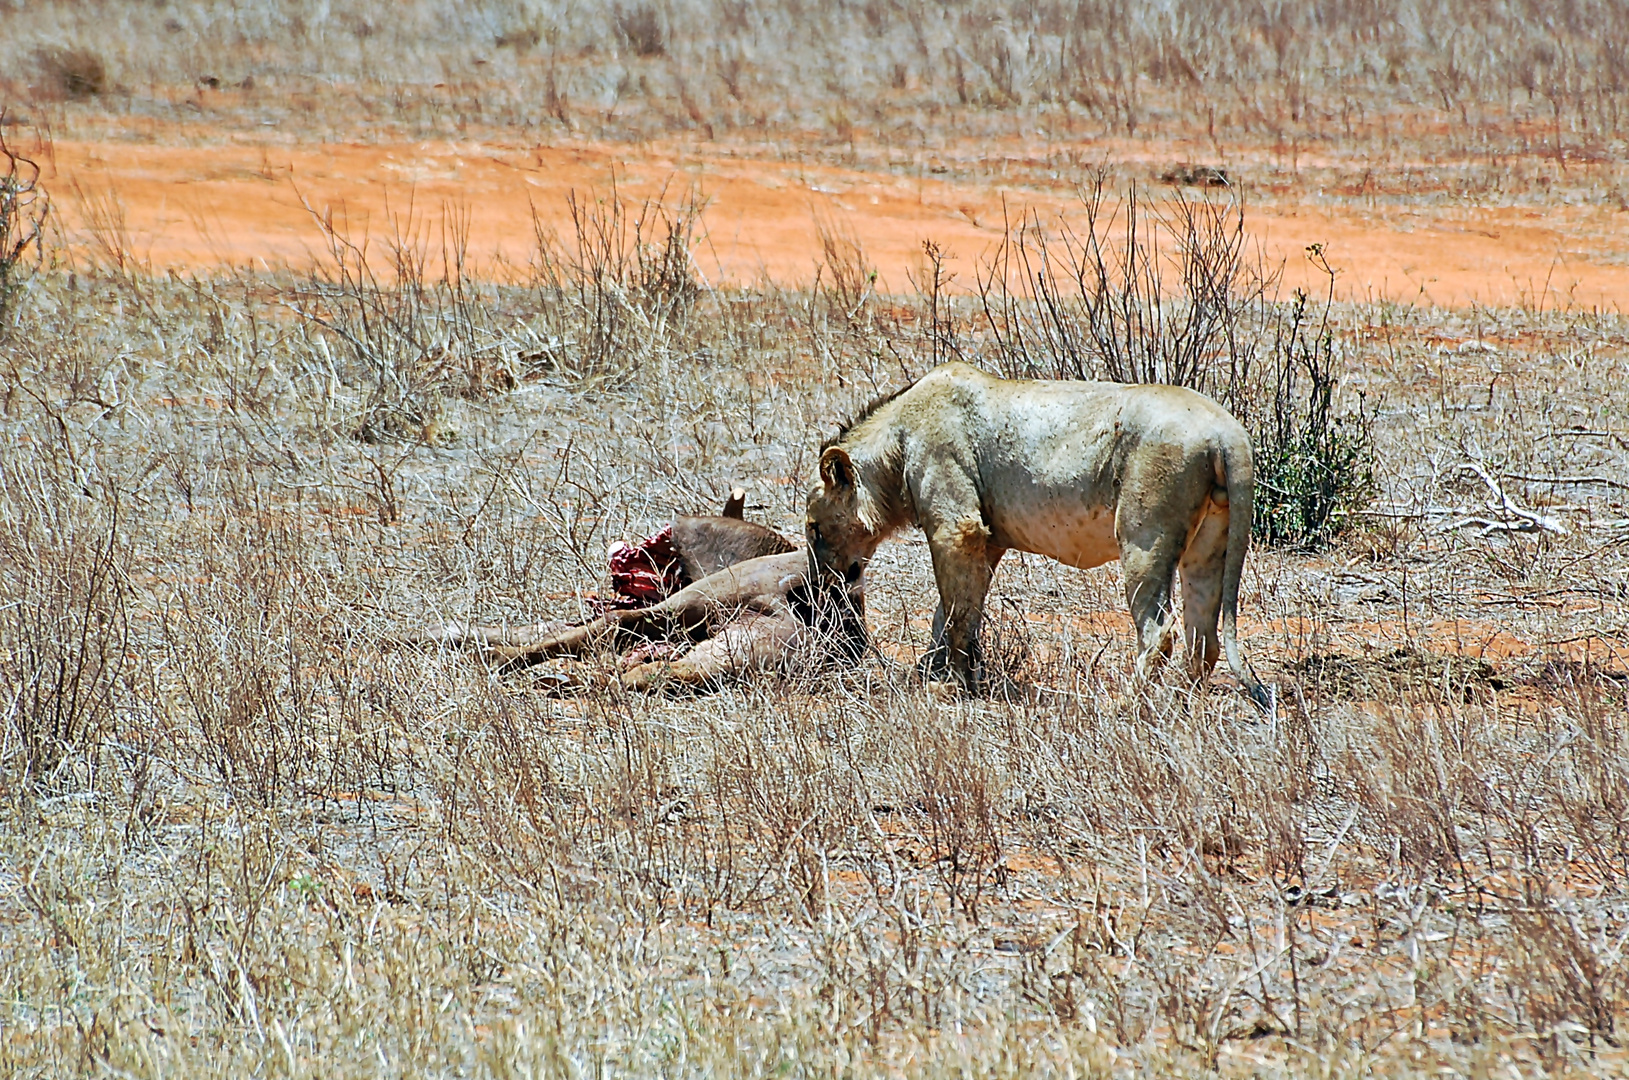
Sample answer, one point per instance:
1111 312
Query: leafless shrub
1074 301
412 337
843 274
1569 981
64 629
74 73
1592 795
623 279
731 69
940 321
955 803
245 673
857 333
642 28
115 248
796 804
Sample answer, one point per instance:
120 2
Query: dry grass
241 836
1398 89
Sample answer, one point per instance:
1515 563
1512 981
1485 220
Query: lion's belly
1078 537
1039 483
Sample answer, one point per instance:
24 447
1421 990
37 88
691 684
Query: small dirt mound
1398 671
1573 674
1197 176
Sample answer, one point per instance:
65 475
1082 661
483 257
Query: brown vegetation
237 835
1371 79
312 842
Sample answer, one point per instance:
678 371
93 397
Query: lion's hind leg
1201 570
1149 567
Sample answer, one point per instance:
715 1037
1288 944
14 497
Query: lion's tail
1238 478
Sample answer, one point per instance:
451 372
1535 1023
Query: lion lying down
747 616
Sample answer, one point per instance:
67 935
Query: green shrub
1314 465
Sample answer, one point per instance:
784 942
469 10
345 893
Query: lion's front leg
936 664
963 562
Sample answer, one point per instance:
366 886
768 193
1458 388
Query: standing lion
1159 477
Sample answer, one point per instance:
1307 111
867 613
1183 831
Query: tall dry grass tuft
412 337
246 681
64 626
624 279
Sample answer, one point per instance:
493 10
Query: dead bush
620 282
24 208
413 336
1131 291
73 73
63 622
641 26
248 678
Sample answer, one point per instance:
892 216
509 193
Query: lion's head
840 544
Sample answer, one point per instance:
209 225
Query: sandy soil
246 203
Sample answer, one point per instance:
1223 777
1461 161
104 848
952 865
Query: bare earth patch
196 199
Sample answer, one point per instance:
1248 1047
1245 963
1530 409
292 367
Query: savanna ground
247 441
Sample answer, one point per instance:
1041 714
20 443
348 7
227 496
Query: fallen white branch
1526 520
1604 481
1534 524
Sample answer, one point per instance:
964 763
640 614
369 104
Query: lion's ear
836 469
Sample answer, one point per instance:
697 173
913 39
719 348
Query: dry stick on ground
1527 521
1603 481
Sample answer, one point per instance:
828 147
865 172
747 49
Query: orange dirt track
236 204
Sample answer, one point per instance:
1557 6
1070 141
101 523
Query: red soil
240 203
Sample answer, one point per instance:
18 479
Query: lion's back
1050 421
